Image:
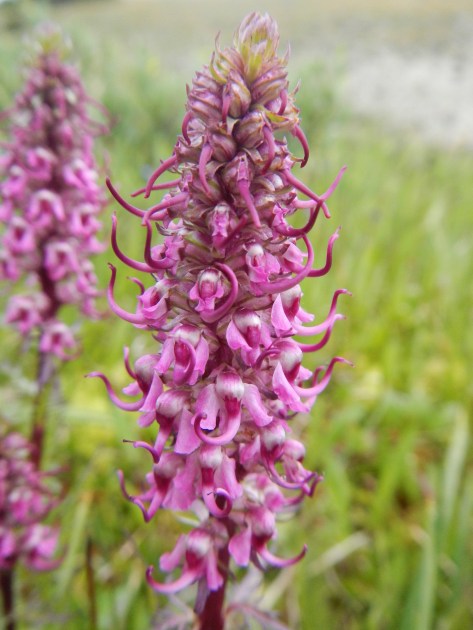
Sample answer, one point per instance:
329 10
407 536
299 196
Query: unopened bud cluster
222 300
49 200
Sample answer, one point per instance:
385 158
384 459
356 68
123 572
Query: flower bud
249 324
223 145
248 131
237 94
257 41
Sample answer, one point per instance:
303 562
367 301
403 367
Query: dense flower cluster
25 501
224 303
49 200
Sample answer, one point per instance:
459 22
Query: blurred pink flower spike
50 199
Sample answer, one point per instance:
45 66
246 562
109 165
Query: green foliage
389 531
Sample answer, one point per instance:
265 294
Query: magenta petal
225 476
201 355
187 578
253 402
208 404
214 579
171 560
285 391
279 318
322 384
235 339
131 406
275 561
187 440
209 495
167 356
240 547
153 394
233 424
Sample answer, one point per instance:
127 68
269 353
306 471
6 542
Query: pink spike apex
26 500
222 302
50 199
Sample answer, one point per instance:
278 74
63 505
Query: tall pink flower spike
223 302
50 199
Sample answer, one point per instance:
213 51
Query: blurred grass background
390 530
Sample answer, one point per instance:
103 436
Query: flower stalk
222 299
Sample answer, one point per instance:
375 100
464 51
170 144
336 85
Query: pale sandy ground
406 62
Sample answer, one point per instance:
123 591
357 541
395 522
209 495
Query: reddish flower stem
6 581
212 616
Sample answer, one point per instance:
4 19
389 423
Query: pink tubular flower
25 501
50 199
223 303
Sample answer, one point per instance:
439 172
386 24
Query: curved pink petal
124 204
166 165
240 547
233 424
253 402
118 310
275 561
131 406
322 384
134 264
188 577
212 316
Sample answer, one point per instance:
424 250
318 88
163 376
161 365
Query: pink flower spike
222 302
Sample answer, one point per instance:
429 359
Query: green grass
389 531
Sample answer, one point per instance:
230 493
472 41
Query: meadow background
390 529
